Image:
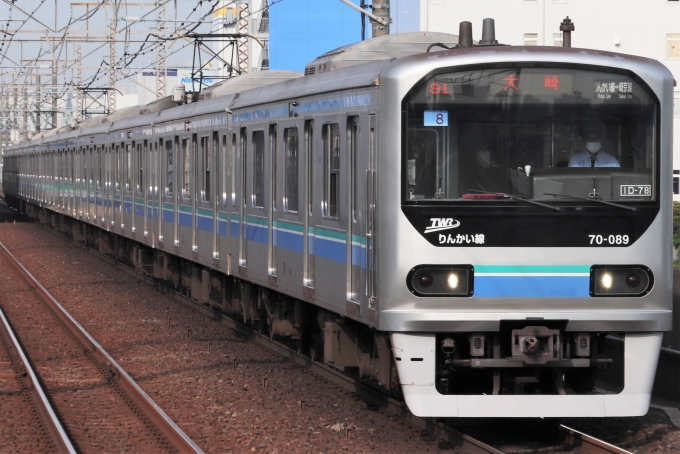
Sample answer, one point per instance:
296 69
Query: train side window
89 164
331 161
230 171
290 201
140 168
215 155
186 174
153 163
84 156
116 168
353 144
225 166
99 167
169 169
107 162
258 169
309 148
205 165
128 165
272 153
244 164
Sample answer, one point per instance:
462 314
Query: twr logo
439 224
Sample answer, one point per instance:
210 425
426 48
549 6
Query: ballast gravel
211 381
206 377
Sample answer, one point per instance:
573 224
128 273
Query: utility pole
112 62
242 42
54 95
161 66
79 83
380 17
113 27
381 8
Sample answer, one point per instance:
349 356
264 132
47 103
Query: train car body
414 217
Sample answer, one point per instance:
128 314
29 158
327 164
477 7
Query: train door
195 196
289 220
179 190
167 185
137 193
118 176
308 215
158 191
99 199
82 182
273 253
356 233
90 183
223 202
107 199
217 159
243 168
150 212
145 184
371 198
231 202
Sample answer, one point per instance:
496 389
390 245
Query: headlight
620 280
441 280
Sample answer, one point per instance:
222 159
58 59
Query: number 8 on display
436 118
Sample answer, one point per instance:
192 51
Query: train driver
593 156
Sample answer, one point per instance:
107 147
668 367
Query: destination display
528 85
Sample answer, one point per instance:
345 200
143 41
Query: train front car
531 220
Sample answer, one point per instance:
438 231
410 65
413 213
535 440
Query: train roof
354 66
386 47
247 82
342 79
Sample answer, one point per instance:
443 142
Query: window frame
291 178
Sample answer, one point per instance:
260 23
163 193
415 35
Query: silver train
464 226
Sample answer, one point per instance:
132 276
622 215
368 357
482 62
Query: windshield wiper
513 197
593 199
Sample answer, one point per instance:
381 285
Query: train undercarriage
523 358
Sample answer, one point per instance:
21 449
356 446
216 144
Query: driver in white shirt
593 156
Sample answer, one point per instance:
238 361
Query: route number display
436 118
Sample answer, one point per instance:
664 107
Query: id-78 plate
636 190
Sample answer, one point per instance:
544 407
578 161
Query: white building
649 28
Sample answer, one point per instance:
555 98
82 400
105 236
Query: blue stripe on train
331 250
291 241
532 286
205 224
257 234
358 256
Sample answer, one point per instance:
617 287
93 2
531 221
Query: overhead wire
187 26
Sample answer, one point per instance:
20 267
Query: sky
301 30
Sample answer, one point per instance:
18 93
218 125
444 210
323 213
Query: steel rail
149 408
18 358
588 444
572 437
362 390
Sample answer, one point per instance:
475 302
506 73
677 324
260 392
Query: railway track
569 439
86 400
50 433
586 444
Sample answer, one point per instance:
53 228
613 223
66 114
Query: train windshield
536 133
